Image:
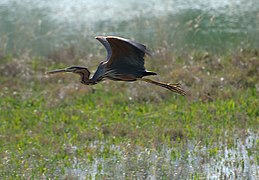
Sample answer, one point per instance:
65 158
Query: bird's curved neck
84 78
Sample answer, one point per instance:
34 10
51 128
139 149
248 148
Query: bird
124 62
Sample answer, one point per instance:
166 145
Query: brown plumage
124 62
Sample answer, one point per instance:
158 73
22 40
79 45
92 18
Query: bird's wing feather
105 43
126 54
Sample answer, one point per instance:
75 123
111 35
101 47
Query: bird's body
124 62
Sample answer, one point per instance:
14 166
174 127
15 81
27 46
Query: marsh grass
52 126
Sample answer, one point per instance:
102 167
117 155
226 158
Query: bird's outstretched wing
124 56
106 44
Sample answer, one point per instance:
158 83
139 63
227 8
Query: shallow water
43 26
92 11
220 161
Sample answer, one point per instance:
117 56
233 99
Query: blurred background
46 26
53 127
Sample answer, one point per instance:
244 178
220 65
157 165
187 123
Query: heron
124 62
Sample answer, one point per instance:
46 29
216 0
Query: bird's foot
175 84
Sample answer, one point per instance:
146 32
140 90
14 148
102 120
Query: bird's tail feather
176 87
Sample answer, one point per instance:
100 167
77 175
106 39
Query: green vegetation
52 126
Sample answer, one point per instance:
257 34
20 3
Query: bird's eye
71 69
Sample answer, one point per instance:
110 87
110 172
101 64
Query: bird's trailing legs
175 87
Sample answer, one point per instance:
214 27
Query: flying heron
124 62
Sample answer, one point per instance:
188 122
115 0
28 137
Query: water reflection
239 161
42 26
90 11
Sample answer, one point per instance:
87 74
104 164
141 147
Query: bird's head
73 69
82 71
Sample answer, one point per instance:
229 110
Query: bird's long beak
58 71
